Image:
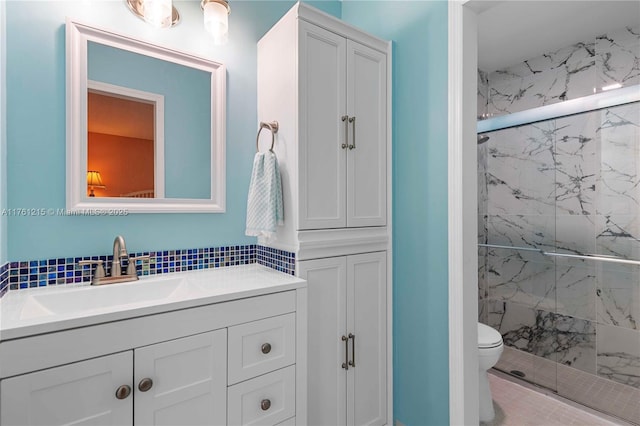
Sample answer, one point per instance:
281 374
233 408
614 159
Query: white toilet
489 351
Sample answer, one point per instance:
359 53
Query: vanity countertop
30 312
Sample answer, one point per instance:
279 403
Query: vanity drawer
265 400
261 346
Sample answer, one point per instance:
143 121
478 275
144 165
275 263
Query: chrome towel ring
273 128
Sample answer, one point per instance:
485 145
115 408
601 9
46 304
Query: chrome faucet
119 252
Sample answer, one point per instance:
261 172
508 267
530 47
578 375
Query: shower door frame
462 209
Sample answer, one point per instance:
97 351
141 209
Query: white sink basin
97 298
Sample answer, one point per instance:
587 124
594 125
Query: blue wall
419 33
36 125
3 144
419 29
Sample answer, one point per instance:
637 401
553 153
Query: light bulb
158 13
216 21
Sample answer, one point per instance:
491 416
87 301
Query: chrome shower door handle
345 120
353 121
345 364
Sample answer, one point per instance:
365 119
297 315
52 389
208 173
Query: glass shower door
517 221
599 295
559 222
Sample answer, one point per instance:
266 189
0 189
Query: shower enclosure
559 253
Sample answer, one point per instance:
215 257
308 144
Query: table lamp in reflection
94 180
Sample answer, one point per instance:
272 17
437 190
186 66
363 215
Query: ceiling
512 31
113 115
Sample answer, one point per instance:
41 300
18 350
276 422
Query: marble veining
618 295
619 354
619 135
618 57
569 73
564 339
521 170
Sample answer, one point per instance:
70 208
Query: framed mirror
145 126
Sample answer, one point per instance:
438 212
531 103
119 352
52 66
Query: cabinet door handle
345 119
145 384
265 404
345 364
353 349
123 391
266 348
353 121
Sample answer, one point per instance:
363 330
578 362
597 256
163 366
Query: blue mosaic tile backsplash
40 273
4 279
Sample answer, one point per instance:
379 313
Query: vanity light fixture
158 13
94 180
216 19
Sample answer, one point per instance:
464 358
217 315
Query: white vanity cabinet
78 393
182 381
347 345
240 360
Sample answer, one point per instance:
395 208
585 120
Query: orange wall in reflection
125 164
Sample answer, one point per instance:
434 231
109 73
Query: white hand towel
264 204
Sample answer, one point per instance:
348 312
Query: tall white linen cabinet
327 85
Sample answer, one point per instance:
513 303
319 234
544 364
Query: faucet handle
131 267
99 272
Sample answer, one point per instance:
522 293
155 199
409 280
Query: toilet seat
488 337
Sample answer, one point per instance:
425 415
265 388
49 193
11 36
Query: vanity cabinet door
82 393
183 381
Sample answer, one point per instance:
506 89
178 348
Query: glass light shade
216 21
158 13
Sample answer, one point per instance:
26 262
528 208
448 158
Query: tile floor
593 391
519 405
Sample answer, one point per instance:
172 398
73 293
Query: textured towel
264 204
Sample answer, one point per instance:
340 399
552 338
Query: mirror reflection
157 115
120 151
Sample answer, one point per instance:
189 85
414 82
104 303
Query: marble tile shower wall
47 272
568 73
570 185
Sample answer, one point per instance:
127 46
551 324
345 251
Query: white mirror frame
77 37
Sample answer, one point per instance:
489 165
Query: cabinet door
367 321
189 381
367 161
322 160
82 393
327 401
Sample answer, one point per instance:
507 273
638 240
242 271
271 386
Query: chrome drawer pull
145 384
345 364
265 404
353 349
345 118
266 348
353 120
123 391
